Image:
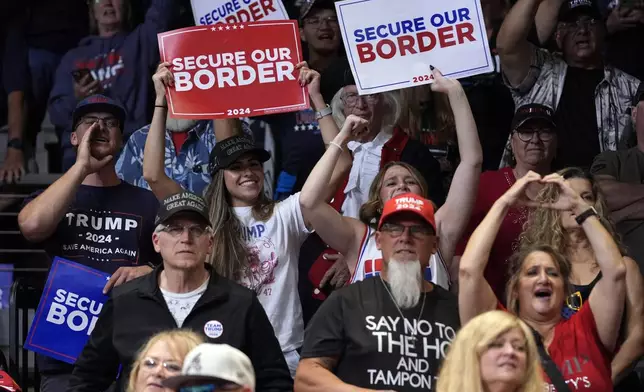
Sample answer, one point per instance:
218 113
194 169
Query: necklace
422 307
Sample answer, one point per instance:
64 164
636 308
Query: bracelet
161 106
332 143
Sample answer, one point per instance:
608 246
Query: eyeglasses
526 135
152 363
351 99
109 122
210 388
331 21
417 231
578 24
195 231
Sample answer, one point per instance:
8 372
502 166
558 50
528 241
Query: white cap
215 362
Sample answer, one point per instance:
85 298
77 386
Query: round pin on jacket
213 329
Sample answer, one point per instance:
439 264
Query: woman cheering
580 347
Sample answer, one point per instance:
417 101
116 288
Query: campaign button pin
213 329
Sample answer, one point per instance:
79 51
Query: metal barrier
24 298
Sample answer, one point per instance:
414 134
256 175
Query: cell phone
79 74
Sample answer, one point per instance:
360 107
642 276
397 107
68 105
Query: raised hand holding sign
390 45
229 71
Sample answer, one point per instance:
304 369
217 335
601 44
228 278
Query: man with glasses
214 367
591 99
320 31
89 215
183 292
391 331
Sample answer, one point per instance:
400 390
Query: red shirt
579 354
178 138
492 185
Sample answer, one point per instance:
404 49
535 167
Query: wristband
16 143
161 106
585 215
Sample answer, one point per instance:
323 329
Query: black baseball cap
98 103
227 151
309 5
531 112
639 95
182 202
570 9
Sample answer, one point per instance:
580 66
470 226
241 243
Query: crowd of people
483 234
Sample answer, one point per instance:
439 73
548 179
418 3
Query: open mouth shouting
543 293
326 36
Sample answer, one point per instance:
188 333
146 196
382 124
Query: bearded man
390 331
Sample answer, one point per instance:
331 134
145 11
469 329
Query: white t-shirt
181 304
274 251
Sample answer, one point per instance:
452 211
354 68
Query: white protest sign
207 12
390 45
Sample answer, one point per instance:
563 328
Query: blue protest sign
68 310
6 280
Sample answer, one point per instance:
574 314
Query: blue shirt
189 168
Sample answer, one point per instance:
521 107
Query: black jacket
136 311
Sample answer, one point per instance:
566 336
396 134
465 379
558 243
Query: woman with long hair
257 241
160 358
559 230
354 238
495 351
539 285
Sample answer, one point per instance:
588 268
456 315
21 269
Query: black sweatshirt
137 310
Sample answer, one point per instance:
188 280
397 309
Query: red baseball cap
409 202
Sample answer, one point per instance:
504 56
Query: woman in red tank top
559 230
582 346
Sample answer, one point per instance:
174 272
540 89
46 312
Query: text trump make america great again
234 70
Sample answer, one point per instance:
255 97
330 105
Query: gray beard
405 281
179 124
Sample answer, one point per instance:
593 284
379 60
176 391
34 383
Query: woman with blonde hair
505 357
161 357
559 230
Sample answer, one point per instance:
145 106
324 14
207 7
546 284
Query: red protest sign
234 70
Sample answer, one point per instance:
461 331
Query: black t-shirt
577 120
107 227
361 326
104 228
